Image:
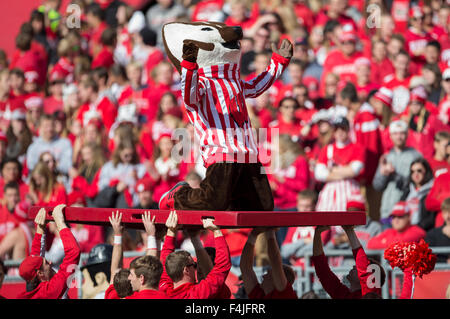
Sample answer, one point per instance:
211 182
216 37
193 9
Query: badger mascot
207 55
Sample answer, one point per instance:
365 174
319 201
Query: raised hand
286 49
190 51
116 223
58 217
172 223
149 224
40 220
208 223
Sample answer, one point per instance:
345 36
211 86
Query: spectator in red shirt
423 124
394 45
178 278
38 272
401 231
440 161
11 171
145 274
416 37
68 50
277 282
95 106
13 231
146 271
85 174
146 52
359 276
381 101
44 189
241 16
286 121
438 193
341 61
141 282
96 24
363 83
205 259
17 94
335 10
54 102
398 82
27 58
381 66
105 55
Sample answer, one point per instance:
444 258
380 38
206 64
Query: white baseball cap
398 126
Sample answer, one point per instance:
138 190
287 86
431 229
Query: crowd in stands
88 114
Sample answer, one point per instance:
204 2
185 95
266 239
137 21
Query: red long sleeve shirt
390 236
206 288
148 294
333 285
57 285
330 282
296 179
438 192
362 267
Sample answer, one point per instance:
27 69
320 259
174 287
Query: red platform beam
132 218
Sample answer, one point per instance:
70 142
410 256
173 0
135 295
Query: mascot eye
207 29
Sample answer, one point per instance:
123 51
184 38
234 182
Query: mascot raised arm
207 55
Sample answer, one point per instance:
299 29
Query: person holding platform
366 277
142 279
42 280
178 278
277 283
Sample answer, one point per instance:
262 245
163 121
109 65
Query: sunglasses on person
420 171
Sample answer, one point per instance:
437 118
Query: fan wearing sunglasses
178 280
419 185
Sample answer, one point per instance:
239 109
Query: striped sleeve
262 82
190 83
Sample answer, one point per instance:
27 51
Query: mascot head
217 42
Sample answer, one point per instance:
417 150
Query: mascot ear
169 47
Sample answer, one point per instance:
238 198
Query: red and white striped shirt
214 97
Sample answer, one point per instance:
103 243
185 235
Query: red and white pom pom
416 256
